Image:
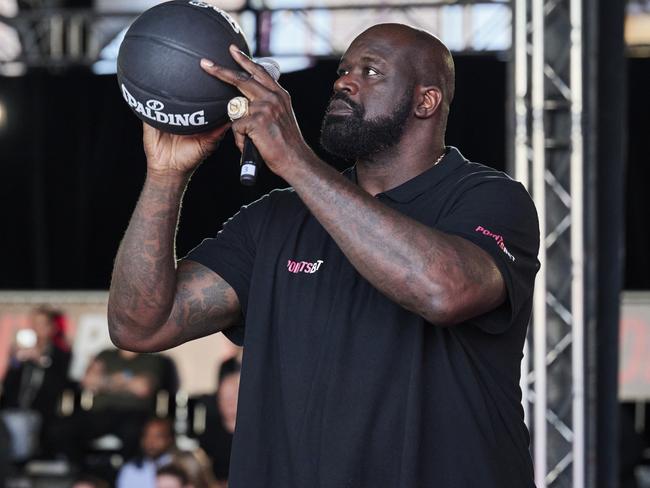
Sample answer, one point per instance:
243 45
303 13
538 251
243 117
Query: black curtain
611 159
73 165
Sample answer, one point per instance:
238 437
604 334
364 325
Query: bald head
393 81
430 60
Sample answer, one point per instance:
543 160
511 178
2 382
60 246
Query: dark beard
351 137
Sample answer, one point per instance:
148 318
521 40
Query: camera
26 338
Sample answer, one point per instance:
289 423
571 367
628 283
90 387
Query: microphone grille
271 66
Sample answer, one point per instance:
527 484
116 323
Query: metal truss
75 37
329 29
61 37
549 161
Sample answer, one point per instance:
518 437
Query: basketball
158 67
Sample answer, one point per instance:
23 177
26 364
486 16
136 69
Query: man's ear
429 101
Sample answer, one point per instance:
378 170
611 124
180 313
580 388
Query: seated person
221 414
38 374
123 380
157 446
124 387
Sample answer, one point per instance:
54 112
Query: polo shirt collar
414 187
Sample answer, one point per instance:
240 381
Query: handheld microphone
250 157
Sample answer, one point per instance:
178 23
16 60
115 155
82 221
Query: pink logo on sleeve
496 237
303 266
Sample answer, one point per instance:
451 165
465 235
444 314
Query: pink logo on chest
303 266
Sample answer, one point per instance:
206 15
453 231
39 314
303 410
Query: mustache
342 96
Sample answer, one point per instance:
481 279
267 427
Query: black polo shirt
343 388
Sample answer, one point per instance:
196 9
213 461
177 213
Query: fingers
148 130
150 134
239 140
213 135
242 128
254 82
252 68
243 81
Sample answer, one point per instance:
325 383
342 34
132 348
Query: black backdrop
72 166
637 196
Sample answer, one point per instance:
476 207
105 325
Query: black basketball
158 65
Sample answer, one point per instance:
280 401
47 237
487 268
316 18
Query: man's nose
347 83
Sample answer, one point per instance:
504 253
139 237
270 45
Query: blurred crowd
126 423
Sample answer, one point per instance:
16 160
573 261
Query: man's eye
371 71
342 72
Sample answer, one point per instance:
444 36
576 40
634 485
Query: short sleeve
231 254
498 215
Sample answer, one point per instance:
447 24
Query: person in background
124 387
38 373
221 413
157 446
172 476
196 465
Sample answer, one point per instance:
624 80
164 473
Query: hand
28 354
270 123
140 386
177 154
118 382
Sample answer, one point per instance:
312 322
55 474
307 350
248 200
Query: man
383 311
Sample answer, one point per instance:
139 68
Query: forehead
157 428
40 319
168 481
373 46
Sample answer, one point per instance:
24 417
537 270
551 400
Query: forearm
144 275
431 273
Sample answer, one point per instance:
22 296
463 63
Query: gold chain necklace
444 153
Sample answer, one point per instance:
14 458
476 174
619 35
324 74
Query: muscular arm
444 278
153 303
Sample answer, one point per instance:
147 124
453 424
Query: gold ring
237 108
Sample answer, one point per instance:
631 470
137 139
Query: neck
394 167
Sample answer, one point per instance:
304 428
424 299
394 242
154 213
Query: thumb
209 141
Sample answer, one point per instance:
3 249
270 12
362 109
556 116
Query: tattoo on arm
442 277
204 302
152 305
144 273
